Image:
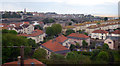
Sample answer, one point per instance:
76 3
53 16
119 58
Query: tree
8 54
84 44
40 53
98 23
103 56
105 46
12 32
47 20
57 58
80 31
106 18
72 46
38 27
86 34
9 31
70 23
49 31
69 31
54 29
32 43
75 58
57 28
77 45
11 15
4 31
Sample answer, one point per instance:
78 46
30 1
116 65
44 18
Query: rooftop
100 31
54 46
116 32
61 38
28 61
34 33
78 35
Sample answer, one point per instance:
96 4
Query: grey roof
113 37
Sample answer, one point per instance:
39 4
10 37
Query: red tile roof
34 33
78 35
54 46
100 31
26 62
116 32
26 23
61 38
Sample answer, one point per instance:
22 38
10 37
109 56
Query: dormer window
109 42
32 64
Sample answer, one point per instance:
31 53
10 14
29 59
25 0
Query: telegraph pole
22 56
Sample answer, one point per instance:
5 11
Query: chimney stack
19 57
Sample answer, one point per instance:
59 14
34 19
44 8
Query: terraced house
24 27
78 38
52 46
37 35
99 34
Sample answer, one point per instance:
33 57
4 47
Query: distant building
24 27
27 62
37 35
115 33
78 38
113 42
55 47
99 34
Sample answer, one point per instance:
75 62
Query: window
109 42
32 64
48 52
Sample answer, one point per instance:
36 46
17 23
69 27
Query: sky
94 7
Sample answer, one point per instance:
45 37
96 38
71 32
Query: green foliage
77 45
40 53
38 27
103 56
4 31
84 44
9 31
99 47
54 29
74 20
57 58
70 23
105 46
85 53
106 18
12 40
94 54
75 58
11 15
80 31
32 43
49 31
69 31
86 34
72 46
98 23
12 32
116 56
48 20
57 28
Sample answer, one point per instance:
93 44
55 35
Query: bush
103 56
